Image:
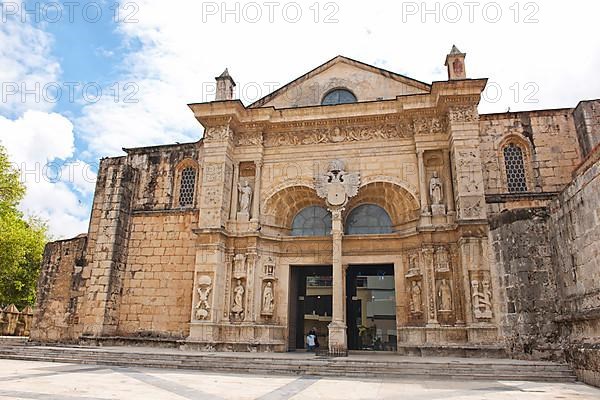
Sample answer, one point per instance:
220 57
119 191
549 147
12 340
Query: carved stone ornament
472 210
436 191
416 299
250 139
239 266
441 260
245 196
463 114
413 266
334 135
268 300
217 133
237 308
482 299
444 296
428 125
202 308
337 185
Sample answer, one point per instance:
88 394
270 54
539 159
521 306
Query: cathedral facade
375 209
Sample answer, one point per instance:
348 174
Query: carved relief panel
481 295
414 285
203 305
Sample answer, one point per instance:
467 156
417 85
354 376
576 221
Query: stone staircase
13 340
369 366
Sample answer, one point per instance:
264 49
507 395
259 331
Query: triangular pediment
366 82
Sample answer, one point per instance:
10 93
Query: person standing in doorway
310 341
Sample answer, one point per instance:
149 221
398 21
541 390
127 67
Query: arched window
187 187
515 169
312 221
368 219
338 96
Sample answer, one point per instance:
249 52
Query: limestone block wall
548 269
587 123
107 249
575 233
158 173
59 291
528 307
548 139
159 275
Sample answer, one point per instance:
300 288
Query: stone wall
159 275
548 140
547 266
587 123
524 270
575 234
58 292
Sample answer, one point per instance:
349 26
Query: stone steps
421 368
13 340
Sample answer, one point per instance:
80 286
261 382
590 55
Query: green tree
22 241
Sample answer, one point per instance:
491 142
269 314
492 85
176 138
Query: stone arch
527 151
281 207
399 203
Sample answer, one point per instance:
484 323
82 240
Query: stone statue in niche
203 291
482 299
238 300
435 189
268 300
245 199
416 298
436 193
445 296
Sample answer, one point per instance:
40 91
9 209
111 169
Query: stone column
234 191
430 284
448 182
256 196
423 184
337 327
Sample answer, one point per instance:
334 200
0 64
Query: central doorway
371 307
311 293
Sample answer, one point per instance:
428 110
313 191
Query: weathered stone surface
56 317
176 255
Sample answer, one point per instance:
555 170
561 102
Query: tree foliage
22 241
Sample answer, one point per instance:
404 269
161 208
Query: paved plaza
60 381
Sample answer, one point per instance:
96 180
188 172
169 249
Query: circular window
338 96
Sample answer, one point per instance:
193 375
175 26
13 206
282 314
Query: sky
82 80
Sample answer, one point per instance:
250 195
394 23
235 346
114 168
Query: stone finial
225 85
455 61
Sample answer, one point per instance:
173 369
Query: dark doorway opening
310 304
371 307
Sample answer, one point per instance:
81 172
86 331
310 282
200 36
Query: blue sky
163 55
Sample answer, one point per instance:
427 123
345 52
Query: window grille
515 169
186 189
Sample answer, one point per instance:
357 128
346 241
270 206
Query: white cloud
175 55
25 63
38 143
181 49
